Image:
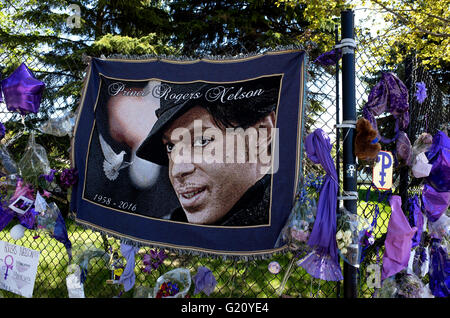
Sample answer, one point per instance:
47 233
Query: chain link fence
235 278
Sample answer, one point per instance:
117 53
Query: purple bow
323 262
22 91
389 95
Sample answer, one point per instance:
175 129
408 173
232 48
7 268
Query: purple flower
153 260
2 131
49 177
204 281
68 177
421 92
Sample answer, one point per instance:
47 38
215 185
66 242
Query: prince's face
206 189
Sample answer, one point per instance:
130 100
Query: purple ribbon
439 270
434 203
323 262
22 91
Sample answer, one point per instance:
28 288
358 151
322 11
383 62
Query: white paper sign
18 268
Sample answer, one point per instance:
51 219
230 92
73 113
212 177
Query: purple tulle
434 203
321 266
389 95
204 281
323 261
22 91
415 219
439 270
439 157
329 58
398 240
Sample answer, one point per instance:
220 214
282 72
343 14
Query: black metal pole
338 137
349 115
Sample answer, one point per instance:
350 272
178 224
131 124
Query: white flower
344 251
347 234
339 235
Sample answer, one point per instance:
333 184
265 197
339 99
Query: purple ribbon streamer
128 276
323 263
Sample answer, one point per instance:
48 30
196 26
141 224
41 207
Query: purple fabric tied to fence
398 240
434 203
329 58
22 91
128 276
323 262
6 215
439 156
439 270
415 219
389 95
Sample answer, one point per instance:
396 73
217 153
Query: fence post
349 116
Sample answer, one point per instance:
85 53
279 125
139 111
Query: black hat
176 99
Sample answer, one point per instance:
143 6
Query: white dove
113 162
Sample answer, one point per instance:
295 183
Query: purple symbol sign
386 162
10 265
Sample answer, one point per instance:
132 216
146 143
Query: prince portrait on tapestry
197 152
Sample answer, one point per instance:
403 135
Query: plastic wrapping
60 126
440 228
73 282
82 256
350 231
46 221
7 164
300 224
403 285
34 161
179 276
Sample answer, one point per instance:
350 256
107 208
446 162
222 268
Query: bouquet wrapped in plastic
60 126
300 223
350 232
34 162
173 284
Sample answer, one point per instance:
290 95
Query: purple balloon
22 91
434 203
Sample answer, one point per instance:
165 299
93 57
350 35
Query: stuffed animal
366 145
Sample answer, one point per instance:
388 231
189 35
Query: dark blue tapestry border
98 204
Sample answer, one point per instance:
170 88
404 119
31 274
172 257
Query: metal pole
349 115
338 137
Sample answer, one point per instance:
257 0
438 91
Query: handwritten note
18 268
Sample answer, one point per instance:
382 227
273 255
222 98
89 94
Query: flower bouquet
351 229
301 221
173 284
